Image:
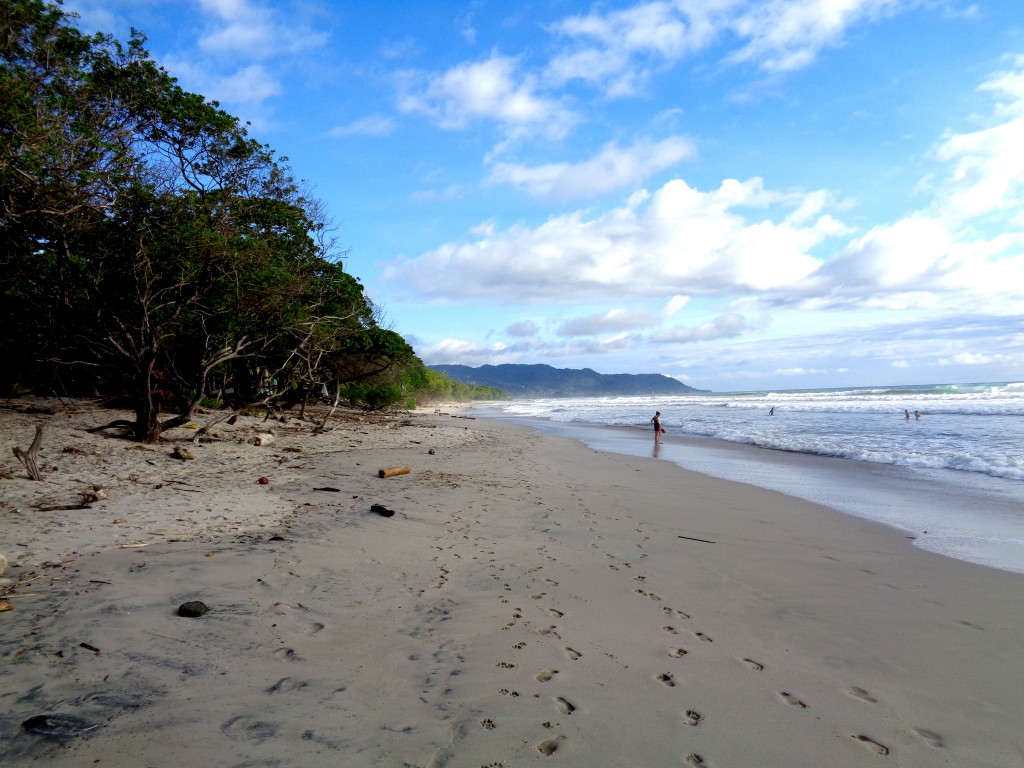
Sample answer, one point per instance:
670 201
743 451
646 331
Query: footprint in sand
933 739
505 665
549 746
538 596
702 636
666 679
313 627
677 653
555 613
860 693
873 745
244 728
792 700
284 685
547 674
671 630
564 705
488 724
754 665
286 654
572 654
552 582
546 630
507 692
519 646
692 717
694 759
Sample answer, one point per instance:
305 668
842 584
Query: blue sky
742 194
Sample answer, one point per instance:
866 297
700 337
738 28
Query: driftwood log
30 457
392 471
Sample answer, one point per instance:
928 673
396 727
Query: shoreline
942 516
530 599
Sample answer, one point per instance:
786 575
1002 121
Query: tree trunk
147 412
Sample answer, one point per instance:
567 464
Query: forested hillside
546 381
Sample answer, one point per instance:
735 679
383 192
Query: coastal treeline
152 252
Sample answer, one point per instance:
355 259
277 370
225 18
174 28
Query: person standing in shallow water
658 429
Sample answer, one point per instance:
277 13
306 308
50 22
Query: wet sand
530 599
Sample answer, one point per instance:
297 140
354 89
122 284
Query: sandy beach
530 599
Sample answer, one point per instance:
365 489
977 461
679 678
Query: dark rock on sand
57 726
193 609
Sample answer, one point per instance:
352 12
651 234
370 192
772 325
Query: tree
151 245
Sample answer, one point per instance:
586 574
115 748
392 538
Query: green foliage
150 248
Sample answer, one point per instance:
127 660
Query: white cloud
988 174
254 31
677 240
492 89
675 305
611 169
722 327
784 35
899 364
371 125
603 322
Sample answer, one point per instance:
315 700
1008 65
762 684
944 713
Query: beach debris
392 471
690 538
381 510
88 647
262 439
6 605
184 454
3 564
119 521
193 609
57 726
264 481
328 488
30 457
93 494
431 451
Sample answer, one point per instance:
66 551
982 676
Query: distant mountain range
525 381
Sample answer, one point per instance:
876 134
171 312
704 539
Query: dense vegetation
152 251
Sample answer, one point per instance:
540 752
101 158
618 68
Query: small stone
3 564
264 481
182 453
262 439
6 605
193 609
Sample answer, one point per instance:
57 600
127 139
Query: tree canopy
151 249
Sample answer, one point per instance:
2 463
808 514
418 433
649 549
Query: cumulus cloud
677 240
618 50
253 30
612 168
988 173
493 89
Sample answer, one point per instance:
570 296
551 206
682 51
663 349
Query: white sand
531 599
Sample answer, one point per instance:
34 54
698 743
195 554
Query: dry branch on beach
30 457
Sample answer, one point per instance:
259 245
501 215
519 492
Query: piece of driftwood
30 457
392 471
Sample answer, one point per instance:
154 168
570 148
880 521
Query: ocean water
953 477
